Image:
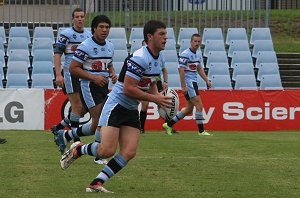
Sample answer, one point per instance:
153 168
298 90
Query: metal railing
134 13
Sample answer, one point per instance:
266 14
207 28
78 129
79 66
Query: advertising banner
22 109
236 110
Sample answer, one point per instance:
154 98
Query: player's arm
201 72
131 90
183 62
59 80
59 50
165 76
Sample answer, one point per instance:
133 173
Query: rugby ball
169 113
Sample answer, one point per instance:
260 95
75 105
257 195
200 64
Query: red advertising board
236 110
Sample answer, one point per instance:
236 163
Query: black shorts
116 115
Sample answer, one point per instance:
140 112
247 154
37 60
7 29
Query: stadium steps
289 67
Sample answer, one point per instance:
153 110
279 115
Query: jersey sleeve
135 67
81 53
183 60
62 42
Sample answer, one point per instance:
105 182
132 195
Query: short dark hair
151 26
99 19
195 35
76 10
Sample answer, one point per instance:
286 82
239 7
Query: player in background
160 87
67 43
92 63
190 63
119 119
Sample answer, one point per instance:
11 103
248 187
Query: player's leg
185 111
197 102
128 139
143 114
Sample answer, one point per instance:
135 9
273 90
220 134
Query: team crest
95 50
74 36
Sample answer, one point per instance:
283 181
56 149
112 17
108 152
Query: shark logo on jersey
134 68
95 50
155 64
183 60
81 36
63 40
102 49
80 54
74 36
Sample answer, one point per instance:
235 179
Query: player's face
78 20
195 43
102 31
159 39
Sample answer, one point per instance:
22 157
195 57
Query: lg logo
13 112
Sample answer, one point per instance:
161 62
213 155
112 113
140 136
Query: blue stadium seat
201 83
241 57
3 34
260 34
43 55
270 82
2 60
18 55
136 33
236 34
171 44
120 55
184 44
218 69
44 81
174 81
267 69
119 44
118 66
213 45
172 67
19 43
212 34
170 33
17 67
44 32
242 69
237 45
16 81
1 82
262 45
186 33
265 57
221 82
42 67
41 43
170 55
1 74
245 82
117 33
1 44
216 57
135 45
20 32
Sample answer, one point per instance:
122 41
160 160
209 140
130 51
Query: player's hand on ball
163 101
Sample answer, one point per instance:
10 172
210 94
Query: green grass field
228 164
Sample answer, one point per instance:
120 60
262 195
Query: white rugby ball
169 113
